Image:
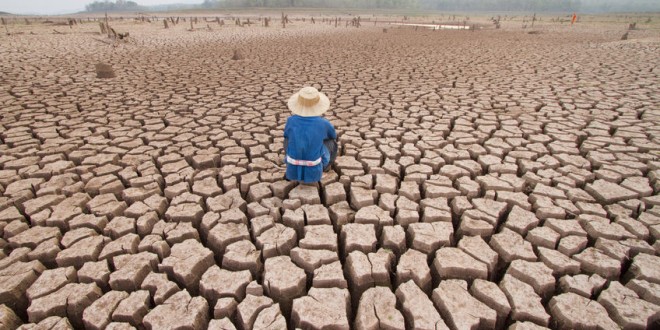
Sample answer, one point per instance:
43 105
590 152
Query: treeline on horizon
441 5
468 5
118 5
452 5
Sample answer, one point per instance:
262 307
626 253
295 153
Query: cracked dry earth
491 179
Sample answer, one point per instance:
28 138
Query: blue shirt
305 136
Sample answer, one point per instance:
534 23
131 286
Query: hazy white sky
53 7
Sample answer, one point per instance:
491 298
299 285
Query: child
309 139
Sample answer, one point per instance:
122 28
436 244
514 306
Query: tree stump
165 23
104 71
238 55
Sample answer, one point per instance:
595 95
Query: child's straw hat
308 102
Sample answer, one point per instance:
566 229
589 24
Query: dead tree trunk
4 23
112 33
165 24
104 71
105 28
107 25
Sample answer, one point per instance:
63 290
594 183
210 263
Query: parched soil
490 179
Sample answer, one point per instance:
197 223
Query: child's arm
286 129
285 143
332 134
